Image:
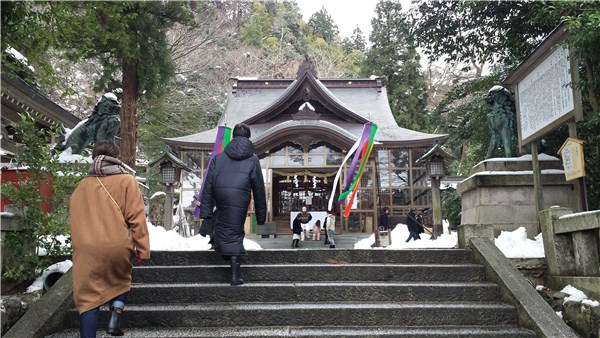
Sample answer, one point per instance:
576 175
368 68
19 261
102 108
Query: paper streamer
364 145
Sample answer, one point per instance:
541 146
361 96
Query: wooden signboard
544 94
572 156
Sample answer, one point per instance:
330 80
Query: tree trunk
593 96
128 113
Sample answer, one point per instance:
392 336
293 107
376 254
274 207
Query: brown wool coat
104 240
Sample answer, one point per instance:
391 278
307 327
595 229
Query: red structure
12 176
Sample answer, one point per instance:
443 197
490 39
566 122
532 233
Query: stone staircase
345 241
314 293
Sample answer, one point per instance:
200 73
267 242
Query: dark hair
241 129
106 148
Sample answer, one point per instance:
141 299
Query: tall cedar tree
393 56
129 39
258 27
323 26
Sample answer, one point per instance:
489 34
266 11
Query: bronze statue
501 120
102 125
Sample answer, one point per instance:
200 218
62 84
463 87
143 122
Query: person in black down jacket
413 226
234 175
296 230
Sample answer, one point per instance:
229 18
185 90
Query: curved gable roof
282 131
354 101
306 86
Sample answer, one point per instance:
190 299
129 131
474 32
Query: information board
545 95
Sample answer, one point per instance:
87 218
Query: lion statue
102 125
501 120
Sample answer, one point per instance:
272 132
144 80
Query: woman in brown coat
108 230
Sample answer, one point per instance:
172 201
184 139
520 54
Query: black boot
294 243
235 271
114 324
297 243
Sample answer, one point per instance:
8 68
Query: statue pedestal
500 192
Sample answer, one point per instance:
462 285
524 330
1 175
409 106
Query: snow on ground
38 284
163 240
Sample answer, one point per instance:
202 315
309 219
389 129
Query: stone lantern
435 162
170 172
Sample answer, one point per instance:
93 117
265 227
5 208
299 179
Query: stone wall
500 192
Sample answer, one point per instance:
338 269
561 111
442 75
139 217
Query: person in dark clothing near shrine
383 219
413 226
296 230
234 179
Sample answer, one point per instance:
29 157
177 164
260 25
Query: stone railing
12 256
571 246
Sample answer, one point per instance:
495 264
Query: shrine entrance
293 190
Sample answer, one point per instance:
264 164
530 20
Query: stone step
313 292
285 242
312 273
323 331
427 314
289 256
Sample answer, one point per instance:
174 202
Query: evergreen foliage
128 39
504 34
322 25
451 204
393 56
489 32
258 26
38 166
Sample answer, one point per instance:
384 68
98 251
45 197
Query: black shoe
332 247
235 271
114 324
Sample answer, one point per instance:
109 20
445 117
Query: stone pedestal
500 192
12 257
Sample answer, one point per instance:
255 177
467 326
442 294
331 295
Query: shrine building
302 129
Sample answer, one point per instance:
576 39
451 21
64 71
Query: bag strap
109 195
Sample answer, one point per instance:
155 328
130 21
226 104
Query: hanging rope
302 173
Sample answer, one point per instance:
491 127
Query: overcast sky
345 14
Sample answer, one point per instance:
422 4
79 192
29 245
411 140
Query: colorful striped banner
221 142
361 150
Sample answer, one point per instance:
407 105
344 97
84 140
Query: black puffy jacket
233 175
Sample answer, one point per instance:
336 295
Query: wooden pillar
169 208
437 207
537 182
